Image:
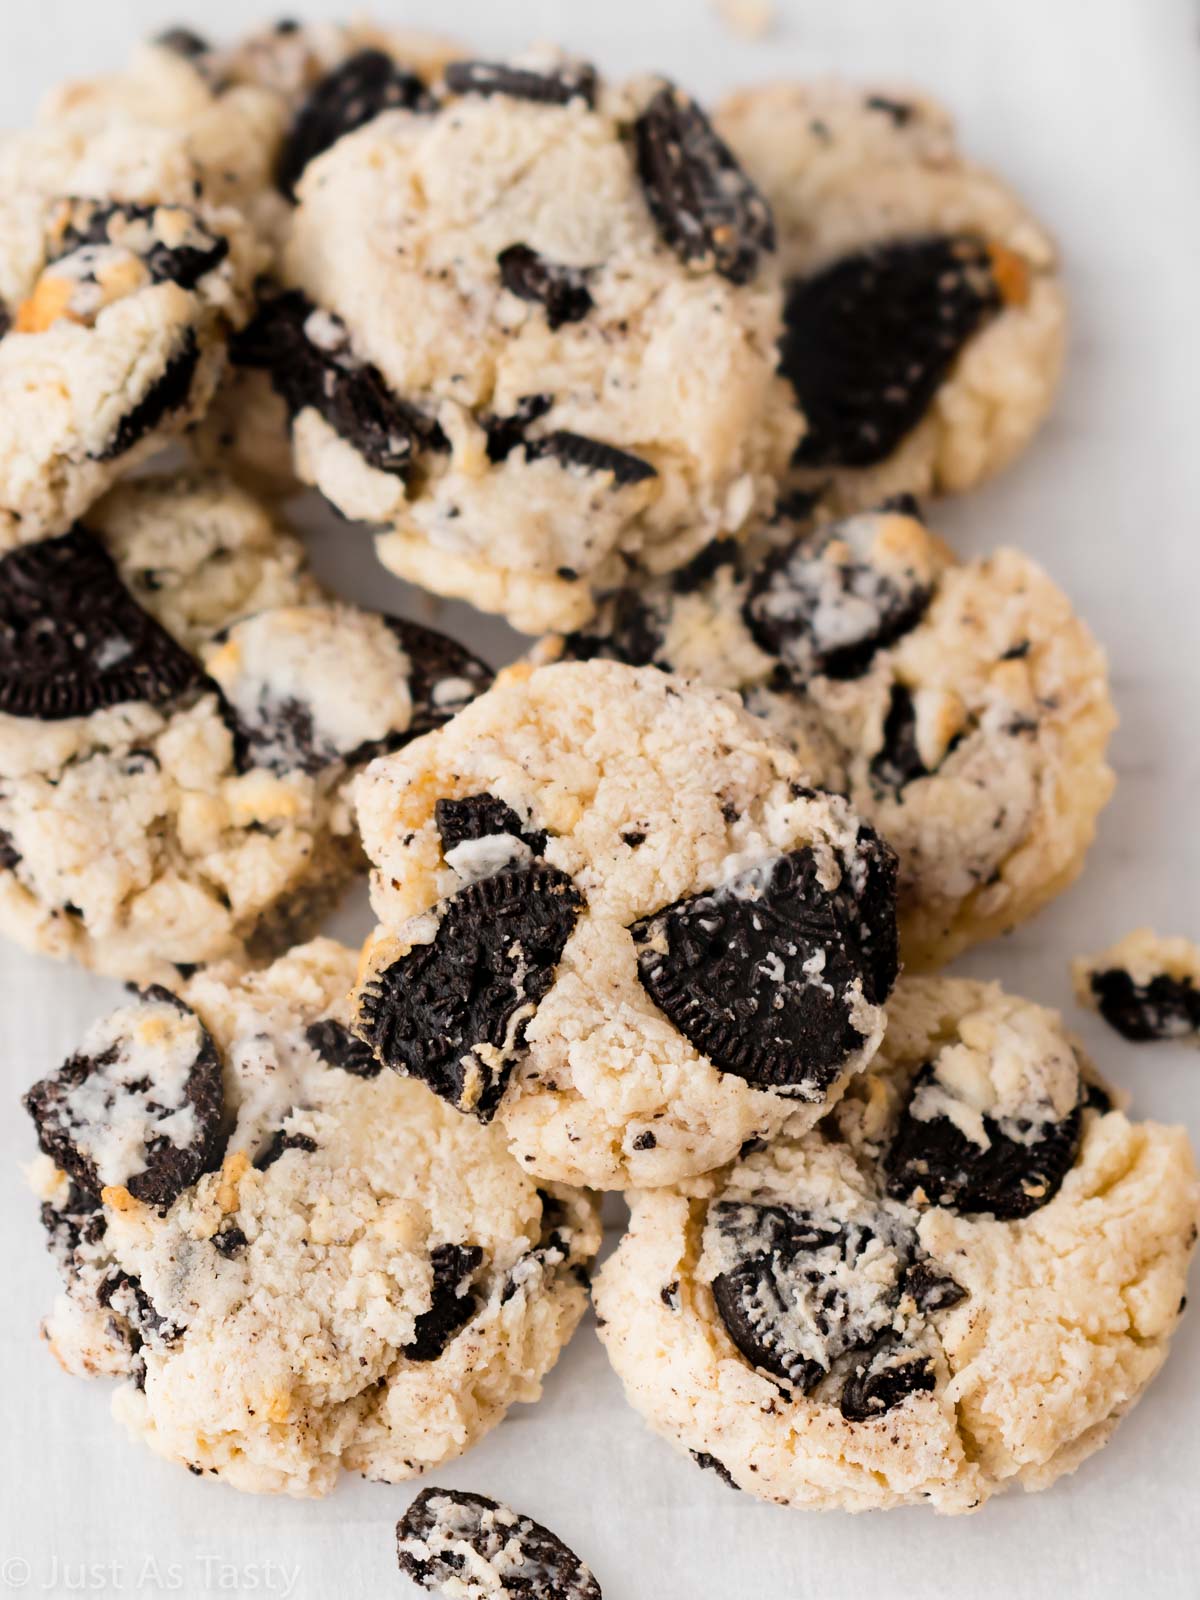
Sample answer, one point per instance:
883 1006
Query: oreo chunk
801 1291
703 204
761 974
338 1048
1163 1008
590 455
10 856
307 354
454 1012
151 233
140 1107
73 640
482 816
931 1161
453 1300
505 434
353 94
897 762
279 1144
572 81
709 1463
443 676
167 393
868 341
932 1289
448 1538
820 615
885 1380
561 290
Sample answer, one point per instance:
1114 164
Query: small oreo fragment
561 290
897 762
443 675
705 207
73 640
169 392
467 1545
353 94
590 455
709 1463
151 233
1165 1007
505 434
338 1047
886 1378
932 1162
761 974
453 1012
868 341
140 1107
452 1300
480 816
574 81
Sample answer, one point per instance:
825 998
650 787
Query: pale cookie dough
530 326
924 318
963 708
123 270
1146 986
959 1282
181 711
615 916
296 1261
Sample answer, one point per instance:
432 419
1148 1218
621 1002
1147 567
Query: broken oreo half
453 1012
448 1539
1162 1008
73 640
140 1107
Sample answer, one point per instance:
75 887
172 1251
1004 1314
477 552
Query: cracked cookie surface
308 1297
841 1319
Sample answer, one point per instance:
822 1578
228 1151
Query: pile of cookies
664 907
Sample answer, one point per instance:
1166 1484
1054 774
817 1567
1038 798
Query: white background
1093 108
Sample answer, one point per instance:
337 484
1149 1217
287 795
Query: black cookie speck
448 1532
72 638
704 206
561 290
338 1048
480 816
868 341
497 946
453 1300
1163 1008
576 81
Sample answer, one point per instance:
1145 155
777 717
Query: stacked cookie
660 390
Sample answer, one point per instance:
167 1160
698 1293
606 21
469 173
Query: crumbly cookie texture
958 1283
963 708
1146 986
614 915
315 1297
924 320
124 267
181 711
550 357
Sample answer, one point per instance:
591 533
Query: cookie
181 711
962 707
124 268
283 1292
537 444
957 1283
924 315
615 917
457 1543
1145 986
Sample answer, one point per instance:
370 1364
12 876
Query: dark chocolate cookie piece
73 640
868 340
932 1162
505 434
453 1300
632 624
885 1380
278 1145
590 455
443 675
820 615
802 1290
572 81
931 1288
308 356
151 233
480 816
561 290
1163 1008
454 1012
10 856
167 393
735 969
144 1111
338 1047
705 207
897 762
353 94
447 1533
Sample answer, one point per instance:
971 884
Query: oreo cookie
562 291
590 455
482 816
151 233
447 1534
572 81
1162 1008
443 675
167 393
338 1048
453 1300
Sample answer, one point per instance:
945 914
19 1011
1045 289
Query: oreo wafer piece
572 81
561 290
448 1539
453 1300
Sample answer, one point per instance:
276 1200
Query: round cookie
493 371
284 1292
1146 986
924 316
963 708
957 1283
181 711
615 917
